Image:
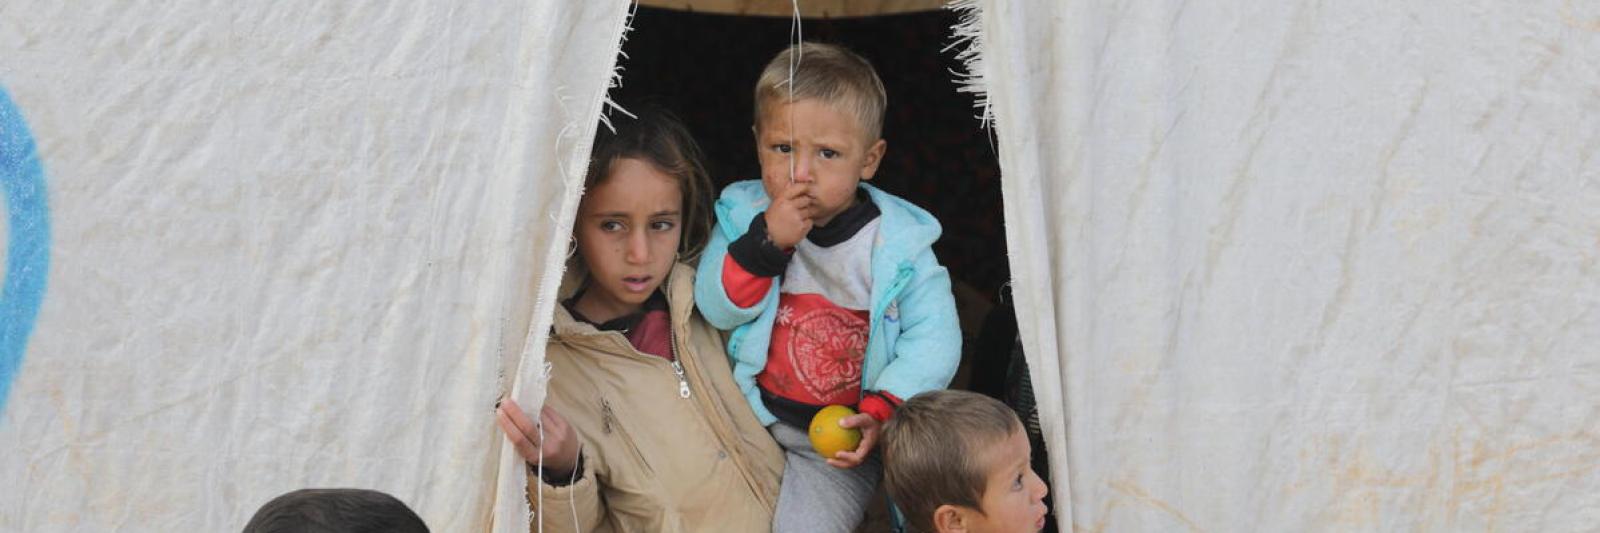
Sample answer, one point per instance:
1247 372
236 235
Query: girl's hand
789 216
870 427
558 450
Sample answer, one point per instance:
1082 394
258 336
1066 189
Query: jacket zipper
677 365
708 413
901 277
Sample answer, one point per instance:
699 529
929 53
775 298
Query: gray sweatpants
816 497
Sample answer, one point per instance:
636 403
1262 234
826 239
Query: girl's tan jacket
654 461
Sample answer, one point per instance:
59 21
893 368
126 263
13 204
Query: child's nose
638 247
802 170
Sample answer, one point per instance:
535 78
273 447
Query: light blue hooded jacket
914 343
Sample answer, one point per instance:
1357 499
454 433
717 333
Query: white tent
1288 266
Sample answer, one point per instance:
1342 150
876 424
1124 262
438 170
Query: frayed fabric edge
968 41
608 104
581 126
578 127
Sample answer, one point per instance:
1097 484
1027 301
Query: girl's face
628 230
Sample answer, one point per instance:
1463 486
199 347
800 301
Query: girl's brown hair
658 137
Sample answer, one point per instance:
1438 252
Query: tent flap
294 244
1289 267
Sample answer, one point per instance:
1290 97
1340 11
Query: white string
572 500
570 482
539 466
540 471
796 38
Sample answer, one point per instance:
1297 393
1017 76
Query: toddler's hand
789 216
870 427
559 450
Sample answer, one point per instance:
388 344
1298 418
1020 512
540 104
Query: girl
644 428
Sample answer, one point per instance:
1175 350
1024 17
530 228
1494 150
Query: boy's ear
950 519
874 157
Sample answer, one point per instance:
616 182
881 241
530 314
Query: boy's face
1013 496
821 147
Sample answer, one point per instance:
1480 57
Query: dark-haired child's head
646 205
659 138
960 461
335 511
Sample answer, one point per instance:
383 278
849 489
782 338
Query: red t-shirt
819 340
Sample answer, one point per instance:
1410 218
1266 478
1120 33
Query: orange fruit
828 437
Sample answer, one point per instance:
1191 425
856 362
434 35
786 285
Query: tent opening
703 66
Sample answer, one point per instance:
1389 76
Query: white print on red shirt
819 340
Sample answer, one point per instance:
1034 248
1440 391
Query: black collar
846 223
624 323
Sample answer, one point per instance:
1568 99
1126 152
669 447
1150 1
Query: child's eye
610 226
662 225
828 153
782 148
1017 483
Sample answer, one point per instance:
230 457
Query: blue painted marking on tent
27 244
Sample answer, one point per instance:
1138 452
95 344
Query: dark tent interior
703 67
